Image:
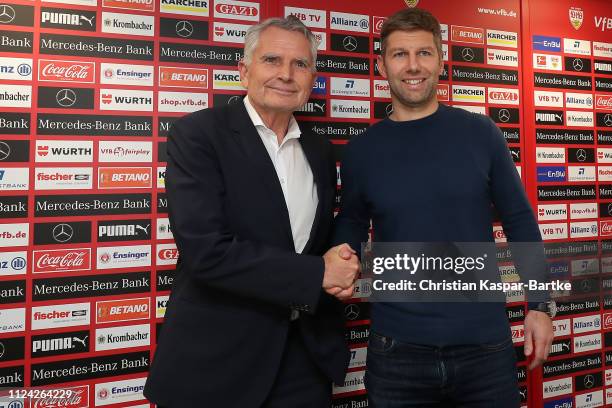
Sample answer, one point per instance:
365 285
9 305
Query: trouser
403 375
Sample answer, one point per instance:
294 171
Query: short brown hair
411 19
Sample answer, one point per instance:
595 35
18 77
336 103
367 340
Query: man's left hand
538 337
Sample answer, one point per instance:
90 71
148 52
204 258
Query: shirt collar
293 130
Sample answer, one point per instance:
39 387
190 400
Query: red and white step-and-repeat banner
567 54
89 89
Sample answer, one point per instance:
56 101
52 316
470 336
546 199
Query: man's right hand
341 270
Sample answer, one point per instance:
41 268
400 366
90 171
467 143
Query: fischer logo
67 71
601 49
122 310
183 77
74 314
382 90
74 397
603 102
503 96
238 10
467 34
61 260
69 178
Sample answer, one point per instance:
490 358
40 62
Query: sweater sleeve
353 221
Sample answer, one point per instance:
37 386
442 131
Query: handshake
341 271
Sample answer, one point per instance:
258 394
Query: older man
251 321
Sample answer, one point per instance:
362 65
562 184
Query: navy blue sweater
434 180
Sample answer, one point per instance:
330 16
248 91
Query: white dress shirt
294 175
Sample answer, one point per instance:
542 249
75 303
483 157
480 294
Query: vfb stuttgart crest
576 15
411 3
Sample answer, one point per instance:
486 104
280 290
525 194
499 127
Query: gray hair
290 23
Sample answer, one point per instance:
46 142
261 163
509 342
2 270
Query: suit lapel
316 166
253 148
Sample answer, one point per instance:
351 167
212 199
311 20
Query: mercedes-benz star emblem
233 99
184 29
349 43
577 64
589 381
467 54
65 97
62 232
351 311
503 115
585 285
389 109
2 349
610 209
608 119
7 14
581 155
5 150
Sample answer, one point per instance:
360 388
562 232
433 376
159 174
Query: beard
414 99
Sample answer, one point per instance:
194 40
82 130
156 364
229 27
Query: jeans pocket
497 346
378 343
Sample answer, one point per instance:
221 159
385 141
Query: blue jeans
403 375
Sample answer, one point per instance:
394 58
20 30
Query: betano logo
122 310
144 5
124 177
467 34
183 77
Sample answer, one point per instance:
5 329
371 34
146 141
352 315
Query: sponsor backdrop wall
89 89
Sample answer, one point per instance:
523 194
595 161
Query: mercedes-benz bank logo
5 151
389 109
7 14
467 54
503 115
608 119
351 311
349 43
581 155
65 97
62 233
184 29
589 381
578 64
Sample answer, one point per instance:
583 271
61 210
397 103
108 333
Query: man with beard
429 173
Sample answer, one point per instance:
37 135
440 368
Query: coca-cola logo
605 228
377 24
167 254
603 102
65 397
607 320
62 260
67 71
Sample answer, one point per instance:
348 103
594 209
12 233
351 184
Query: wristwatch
550 308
